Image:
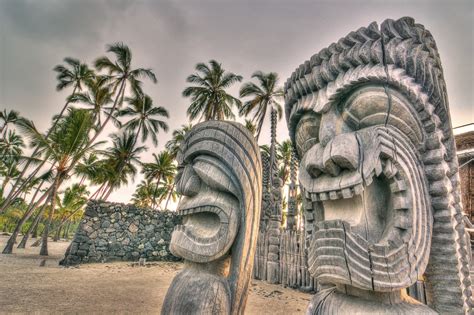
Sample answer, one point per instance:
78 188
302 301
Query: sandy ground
25 287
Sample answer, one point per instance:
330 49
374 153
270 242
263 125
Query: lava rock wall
119 232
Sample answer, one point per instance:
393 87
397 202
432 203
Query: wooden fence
293 271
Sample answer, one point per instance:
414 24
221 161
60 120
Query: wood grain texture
388 76
220 179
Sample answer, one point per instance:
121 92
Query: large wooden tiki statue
369 118
220 181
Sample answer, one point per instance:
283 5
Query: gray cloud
172 36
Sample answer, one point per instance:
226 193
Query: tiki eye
368 106
307 132
211 172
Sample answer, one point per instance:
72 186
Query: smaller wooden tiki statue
220 182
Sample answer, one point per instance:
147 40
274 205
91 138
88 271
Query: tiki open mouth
360 237
367 204
203 224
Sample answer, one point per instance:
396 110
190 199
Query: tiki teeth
308 205
314 197
323 196
358 189
398 186
347 193
368 180
400 203
401 222
307 194
389 170
333 195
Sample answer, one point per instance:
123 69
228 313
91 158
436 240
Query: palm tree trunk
14 191
34 234
33 228
66 231
91 141
82 180
156 190
44 242
169 196
12 240
104 191
108 193
5 183
8 201
96 193
57 235
260 123
136 136
116 101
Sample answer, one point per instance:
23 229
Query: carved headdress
220 176
369 117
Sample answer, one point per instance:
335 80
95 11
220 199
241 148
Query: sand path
25 287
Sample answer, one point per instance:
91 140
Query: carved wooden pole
369 116
220 179
273 229
292 194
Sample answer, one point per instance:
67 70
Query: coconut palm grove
49 176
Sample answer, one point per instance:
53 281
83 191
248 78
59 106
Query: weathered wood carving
369 117
220 181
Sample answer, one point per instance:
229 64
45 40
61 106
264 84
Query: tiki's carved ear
387 78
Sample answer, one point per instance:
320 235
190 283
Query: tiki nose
313 160
345 151
188 183
340 153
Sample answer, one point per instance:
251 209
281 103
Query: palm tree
74 74
265 97
64 145
10 153
170 192
285 151
9 171
144 118
11 146
74 199
162 167
121 159
144 194
177 138
7 118
98 96
87 168
250 126
120 73
209 98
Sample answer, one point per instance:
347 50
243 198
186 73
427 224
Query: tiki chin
220 182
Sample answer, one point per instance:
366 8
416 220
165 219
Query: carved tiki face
362 178
369 116
210 207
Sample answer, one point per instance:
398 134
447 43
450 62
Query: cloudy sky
172 36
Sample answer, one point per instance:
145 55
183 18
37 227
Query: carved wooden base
332 301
